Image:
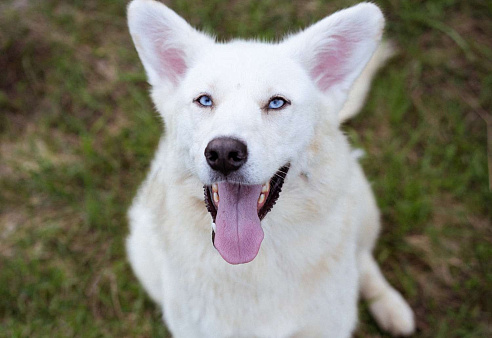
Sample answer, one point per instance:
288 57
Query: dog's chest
304 275
275 295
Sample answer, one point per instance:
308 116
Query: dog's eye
204 100
277 103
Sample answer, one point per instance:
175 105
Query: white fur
316 254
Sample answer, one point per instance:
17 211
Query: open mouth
237 210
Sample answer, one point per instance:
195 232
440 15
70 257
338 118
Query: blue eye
205 101
276 103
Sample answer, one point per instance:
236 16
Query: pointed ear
165 42
335 50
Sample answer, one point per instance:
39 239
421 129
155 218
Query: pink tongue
238 233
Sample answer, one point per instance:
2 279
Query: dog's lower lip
274 187
276 183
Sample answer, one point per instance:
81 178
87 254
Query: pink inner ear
166 58
331 63
172 64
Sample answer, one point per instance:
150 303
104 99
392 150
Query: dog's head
242 113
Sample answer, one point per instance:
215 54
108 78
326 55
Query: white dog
255 126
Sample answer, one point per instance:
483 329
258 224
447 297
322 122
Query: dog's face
249 94
243 113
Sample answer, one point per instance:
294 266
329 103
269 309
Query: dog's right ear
165 42
336 49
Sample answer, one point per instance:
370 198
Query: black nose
226 154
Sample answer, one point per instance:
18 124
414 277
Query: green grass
77 133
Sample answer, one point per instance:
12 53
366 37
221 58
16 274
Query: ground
78 130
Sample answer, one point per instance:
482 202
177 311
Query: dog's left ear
165 42
335 50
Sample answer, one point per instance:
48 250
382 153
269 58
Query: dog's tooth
266 187
216 198
261 199
215 187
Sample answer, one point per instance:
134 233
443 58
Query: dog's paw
393 314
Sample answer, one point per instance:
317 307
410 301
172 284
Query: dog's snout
226 154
